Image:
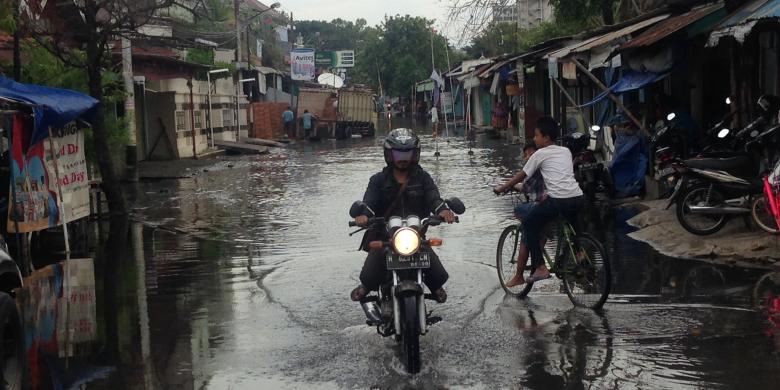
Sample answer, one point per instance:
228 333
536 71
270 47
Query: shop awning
741 22
425 86
498 65
52 107
669 27
267 70
630 81
604 39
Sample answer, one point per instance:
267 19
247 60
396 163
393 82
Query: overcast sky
373 11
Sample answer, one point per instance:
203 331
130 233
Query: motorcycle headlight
406 241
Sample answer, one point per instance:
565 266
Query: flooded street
239 278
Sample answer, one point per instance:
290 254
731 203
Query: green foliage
338 34
504 38
41 67
7 22
200 56
599 11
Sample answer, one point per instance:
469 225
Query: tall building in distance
525 13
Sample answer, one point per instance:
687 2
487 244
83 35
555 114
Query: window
181 121
198 120
227 117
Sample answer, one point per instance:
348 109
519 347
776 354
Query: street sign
324 59
345 59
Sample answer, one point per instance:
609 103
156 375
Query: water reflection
239 278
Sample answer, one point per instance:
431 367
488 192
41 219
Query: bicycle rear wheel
586 274
506 261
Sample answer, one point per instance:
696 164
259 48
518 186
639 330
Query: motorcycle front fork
420 305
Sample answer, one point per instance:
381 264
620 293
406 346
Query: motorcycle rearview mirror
456 205
671 116
723 133
358 208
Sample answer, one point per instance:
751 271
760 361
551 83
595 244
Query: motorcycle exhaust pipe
717 210
373 312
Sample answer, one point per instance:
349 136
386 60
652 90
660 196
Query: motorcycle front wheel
411 334
701 224
762 215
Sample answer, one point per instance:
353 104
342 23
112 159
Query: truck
357 113
320 103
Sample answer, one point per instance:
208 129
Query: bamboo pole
572 101
64 219
611 96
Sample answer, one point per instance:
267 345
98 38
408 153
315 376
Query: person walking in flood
289 121
307 120
435 120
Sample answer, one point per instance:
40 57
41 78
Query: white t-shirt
434 114
557 171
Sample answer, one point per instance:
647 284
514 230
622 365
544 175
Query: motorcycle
724 187
399 309
594 178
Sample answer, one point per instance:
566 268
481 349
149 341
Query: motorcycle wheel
13 352
701 225
762 215
411 335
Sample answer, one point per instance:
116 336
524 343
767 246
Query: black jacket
421 197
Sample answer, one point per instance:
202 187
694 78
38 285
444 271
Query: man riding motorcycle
402 188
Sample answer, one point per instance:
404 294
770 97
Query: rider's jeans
375 270
544 212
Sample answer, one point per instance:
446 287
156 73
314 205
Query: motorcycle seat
721 164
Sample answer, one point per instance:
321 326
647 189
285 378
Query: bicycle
585 271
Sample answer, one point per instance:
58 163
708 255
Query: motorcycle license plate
415 261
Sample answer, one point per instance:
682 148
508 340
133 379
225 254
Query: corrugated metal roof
669 27
741 23
604 39
758 9
487 72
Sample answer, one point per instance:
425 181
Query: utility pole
238 33
17 54
131 156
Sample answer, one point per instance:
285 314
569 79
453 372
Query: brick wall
268 120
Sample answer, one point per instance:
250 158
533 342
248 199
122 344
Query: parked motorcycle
399 307
592 175
721 188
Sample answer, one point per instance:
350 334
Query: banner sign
34 194
302 64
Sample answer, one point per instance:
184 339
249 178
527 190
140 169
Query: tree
399 52
80 33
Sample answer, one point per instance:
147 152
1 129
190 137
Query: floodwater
239 278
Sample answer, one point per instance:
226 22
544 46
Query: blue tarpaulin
630 81
53 107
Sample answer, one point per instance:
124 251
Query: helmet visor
402 155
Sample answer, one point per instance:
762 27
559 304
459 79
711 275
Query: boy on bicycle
564 196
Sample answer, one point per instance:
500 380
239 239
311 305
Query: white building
526 13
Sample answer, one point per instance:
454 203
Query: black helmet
402 144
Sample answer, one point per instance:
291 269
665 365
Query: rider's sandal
535 278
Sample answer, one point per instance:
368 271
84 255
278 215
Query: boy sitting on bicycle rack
564 196
534 191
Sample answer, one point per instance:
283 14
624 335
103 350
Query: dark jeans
375 270
544 212
288 130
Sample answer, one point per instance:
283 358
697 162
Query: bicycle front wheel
506 261
586 272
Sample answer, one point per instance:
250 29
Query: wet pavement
239 277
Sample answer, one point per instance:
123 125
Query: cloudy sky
373 11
